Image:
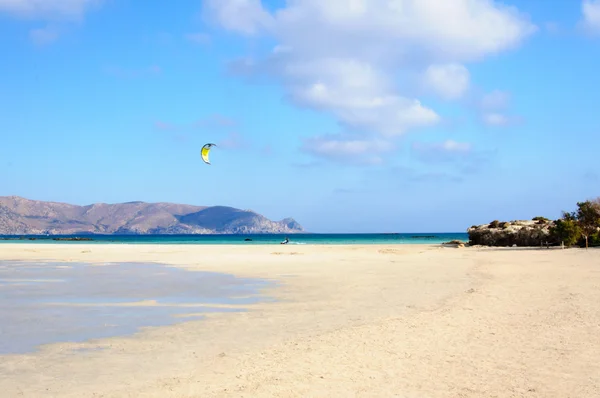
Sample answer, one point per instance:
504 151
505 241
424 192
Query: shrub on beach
566 231
580 227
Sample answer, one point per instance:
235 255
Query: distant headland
21 216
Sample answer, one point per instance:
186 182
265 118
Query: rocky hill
533 232
20 216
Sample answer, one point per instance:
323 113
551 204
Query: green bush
595 239
494 224
567 231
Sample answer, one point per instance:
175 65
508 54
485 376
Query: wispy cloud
56 12
591 176
43 36
417 175
308 165
553 27
447 151
460 155
215 120
171 131
232 141
347 149
198 38
165 126
129 73
493 109
218 125
48 9
267 150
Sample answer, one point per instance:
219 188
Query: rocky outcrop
20 216
533 232
455 243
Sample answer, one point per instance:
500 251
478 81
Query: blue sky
350 116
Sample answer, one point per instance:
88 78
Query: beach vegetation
588 216
495 224
566 231
580 227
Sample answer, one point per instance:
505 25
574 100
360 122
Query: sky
347 115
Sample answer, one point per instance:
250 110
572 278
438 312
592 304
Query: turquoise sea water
255 239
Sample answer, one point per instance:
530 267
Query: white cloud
347 149
591 15
450 81
350 58
243 16
357 94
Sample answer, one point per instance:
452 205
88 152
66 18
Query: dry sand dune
350 321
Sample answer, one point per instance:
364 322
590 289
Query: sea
245 239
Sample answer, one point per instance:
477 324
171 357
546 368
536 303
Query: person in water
285 241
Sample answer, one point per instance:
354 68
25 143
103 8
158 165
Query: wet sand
44 303
364 321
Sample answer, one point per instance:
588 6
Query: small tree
566 230
588 217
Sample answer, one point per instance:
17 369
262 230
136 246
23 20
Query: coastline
347 320
244 239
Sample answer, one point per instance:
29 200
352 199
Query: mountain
20 216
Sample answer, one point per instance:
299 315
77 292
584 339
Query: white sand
352 321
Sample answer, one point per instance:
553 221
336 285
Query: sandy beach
347 321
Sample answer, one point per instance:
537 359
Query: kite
205 151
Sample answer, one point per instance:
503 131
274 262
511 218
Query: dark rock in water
455 242
247 239
423 236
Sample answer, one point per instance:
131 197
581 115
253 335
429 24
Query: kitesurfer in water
285 241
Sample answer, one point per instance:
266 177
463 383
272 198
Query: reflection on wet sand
43 303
